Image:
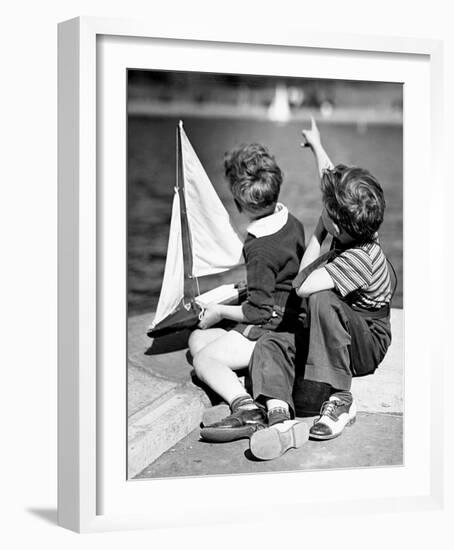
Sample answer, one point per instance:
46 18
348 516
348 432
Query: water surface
151 178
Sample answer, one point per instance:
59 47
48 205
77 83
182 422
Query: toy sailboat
202 233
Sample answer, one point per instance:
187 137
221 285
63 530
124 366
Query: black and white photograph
264 274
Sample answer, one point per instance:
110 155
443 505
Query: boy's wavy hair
254 177
354 200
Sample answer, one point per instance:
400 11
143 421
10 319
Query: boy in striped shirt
348 302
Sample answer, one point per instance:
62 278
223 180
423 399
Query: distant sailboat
279 110
207 238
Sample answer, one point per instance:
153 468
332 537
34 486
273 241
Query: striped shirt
361 275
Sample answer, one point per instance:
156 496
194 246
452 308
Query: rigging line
197 283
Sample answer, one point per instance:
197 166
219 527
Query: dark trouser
336 344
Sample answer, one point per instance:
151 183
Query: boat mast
186 236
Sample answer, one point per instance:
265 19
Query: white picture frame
93 492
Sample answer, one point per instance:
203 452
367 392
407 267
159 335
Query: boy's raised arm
313 140
318 279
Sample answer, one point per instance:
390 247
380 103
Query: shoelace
328 409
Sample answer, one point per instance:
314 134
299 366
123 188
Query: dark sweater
272 262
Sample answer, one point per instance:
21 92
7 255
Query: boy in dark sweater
348 303
272 250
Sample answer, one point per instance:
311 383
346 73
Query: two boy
347 331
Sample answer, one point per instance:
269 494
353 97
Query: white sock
277 404
248 407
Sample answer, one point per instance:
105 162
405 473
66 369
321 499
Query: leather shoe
215 414
336 413
239 425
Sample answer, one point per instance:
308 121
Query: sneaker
274 441
240 424
336 413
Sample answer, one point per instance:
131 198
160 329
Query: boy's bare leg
214 364
199 338
197 341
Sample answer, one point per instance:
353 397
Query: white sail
279 110
216 246
172 289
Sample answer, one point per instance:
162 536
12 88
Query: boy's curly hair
354 200
254 177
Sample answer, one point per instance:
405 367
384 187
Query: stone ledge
157 427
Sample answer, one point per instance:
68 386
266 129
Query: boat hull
187 316
184 317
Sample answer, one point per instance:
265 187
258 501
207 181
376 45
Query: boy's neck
349 242
346 240
259 215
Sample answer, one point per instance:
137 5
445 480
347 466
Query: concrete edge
158 427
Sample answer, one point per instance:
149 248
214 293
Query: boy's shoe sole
320 437
275 441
